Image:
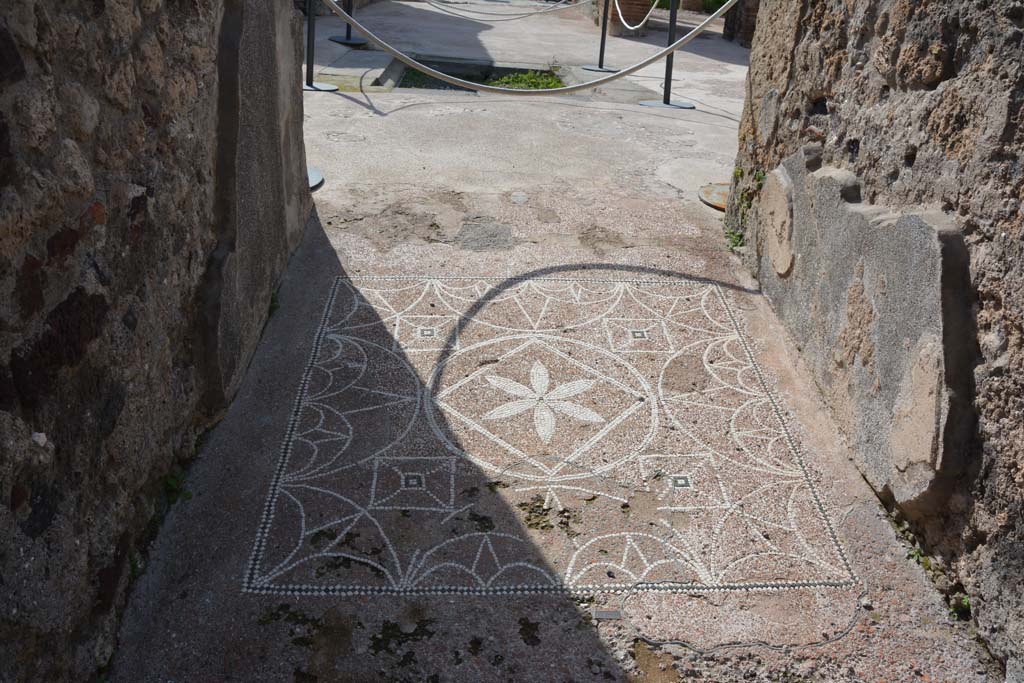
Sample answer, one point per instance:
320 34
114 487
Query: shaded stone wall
152 187
741 22
880 175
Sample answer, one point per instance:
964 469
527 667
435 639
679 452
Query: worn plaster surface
514 377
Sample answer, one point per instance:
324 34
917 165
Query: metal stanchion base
602 69
319 86
354 41
316 178
674 104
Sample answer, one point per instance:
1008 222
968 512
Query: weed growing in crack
735 238
759 176
174 486
936 569
960 607
274 305
918 556
135 563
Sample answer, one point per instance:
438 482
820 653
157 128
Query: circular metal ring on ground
319 86
354 41
674 104
602 69
316 178
715 195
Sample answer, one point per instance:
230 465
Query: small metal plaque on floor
607 613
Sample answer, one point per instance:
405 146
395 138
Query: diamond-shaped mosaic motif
463 435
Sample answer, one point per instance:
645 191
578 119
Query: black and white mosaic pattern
475 436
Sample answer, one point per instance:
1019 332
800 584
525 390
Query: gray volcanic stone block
262 197
152 188
1015 670
876 301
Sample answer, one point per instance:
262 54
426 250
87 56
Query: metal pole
348 38
666 100
313 175
604 34
673 8
528 92
311 52
310 37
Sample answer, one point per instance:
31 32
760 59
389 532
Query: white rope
622 19
542 5
558 6
479 87
494 16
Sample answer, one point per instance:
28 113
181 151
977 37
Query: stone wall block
776 215
867 294
152 188
923 102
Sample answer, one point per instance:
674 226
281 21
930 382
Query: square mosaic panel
467 435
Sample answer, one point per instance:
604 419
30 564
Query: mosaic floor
463 435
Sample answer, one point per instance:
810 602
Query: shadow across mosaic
479 436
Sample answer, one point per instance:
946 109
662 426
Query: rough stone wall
922 103
152 187
741 22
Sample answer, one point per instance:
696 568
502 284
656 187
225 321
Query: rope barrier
480 87
557 7
504 3
494 16
622 19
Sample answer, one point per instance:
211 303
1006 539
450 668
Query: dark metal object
666 101
310 84
677 104
320 86
604 35
348 38
526 92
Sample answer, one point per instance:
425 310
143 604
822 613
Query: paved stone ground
516 377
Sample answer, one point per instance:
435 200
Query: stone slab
877 302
